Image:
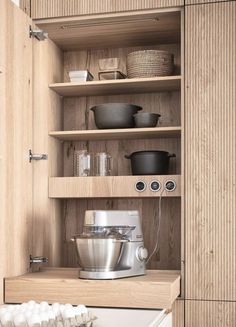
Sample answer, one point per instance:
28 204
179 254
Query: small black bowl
146 119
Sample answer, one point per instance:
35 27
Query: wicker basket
149 63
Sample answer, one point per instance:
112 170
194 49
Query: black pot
115 115
150 162
146 119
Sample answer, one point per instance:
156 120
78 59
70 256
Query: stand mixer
111 245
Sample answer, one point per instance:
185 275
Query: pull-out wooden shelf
157 289
118 134
109 186
123 86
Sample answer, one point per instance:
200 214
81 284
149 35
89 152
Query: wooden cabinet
210 151
58 124
196 2
210 313
56 8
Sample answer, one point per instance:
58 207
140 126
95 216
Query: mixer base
109 274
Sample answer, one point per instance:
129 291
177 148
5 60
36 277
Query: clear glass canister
82 164
103 163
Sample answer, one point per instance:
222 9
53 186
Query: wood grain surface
128 86
112 30
178 313
210 314
156 289
59 8
46 230
196 2
210 120
15 141
25 5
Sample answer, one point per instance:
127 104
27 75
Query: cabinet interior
76 116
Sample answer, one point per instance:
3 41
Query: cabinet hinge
38 34
34 156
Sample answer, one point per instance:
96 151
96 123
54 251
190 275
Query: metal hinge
38 34
34 156
38 260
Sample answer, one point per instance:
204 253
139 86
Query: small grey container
146 119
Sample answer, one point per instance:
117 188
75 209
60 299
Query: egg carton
32 314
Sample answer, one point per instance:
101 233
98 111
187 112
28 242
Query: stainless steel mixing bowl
98 253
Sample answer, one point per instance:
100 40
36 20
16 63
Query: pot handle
127 156
173 155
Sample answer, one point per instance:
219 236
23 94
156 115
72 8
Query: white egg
82 308
77 311
31 302
51 315
68 306
7 316
44 316
62 308
3 311
68 313
18 319
56 311
34 319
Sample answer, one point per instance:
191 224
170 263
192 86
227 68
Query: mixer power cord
158 223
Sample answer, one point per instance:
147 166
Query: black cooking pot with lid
150 162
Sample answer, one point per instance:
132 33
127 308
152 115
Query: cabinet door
195 2
63 8
210 314
15 140
210 134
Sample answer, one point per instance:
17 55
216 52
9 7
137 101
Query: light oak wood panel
108 186
195 2
15 141
210 314
210 120
157 289
113 30
116 134
25 5
178 313
46 232
134 85
57 8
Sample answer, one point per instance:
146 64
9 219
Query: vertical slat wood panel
15 141
195 2
178 313
210 138
210 314
25 6
46 232
56 8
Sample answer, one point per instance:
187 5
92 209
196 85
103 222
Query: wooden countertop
157 289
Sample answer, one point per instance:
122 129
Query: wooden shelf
124 86
157 289
108 186
117 134
114 29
